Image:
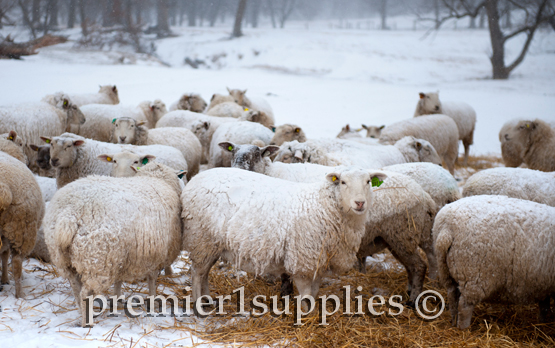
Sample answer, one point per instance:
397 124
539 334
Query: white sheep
53 116
106 95
99 117
102 230
48 187
511 151
218 99
440 130
332 152
240 132
75 157
325 223
462 113
21 213
522 183
126 130
373 132
252 103
495 248
9 143
226 109
537 140
191 101
348 133
286 133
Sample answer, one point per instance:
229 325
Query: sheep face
286 133
126 164
347 132
110 91
426 151
158 109
373 132
353 189
249 157
429 103
192 102
43 156
238 96
259 117
291 153
63 151
124 130
528 133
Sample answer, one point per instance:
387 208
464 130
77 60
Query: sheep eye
115 161
368 182
136 162
343 183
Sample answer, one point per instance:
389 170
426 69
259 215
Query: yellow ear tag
109 159
10 138
334 178
527 125
138 168
230 148
297 130
246 109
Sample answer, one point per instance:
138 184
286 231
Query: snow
312 74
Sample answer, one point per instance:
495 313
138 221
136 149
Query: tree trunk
272 14
255 12
117 12
128 18
482 23
162 23
71 13
53 13
139 13
192 13
436 12
107 6
214 11
35 12
383 13
508 23
497 41
26 20
83 17
239 18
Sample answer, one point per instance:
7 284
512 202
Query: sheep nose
360 205
272 143
54 161
122 138
437 107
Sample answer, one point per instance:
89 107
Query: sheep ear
106 158
422 95
46 140
382 127
114 120
213 96
206 125
377 178
269 150
244 92
181 174
298 155
141 123
364 126
65 104
78 142
147 159
348 128
227 146
34 147
114 89
298 129
273 129
229 90
418 145
333 178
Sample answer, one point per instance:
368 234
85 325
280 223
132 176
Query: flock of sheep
112 194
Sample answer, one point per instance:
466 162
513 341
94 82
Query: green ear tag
47 141
376 182
230 148
180 176
145 160
274 129
114 120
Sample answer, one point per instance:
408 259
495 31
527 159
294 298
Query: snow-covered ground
318 77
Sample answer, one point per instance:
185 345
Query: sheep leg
152 277
200 278
286 285
465 312
17 270
361 264
117 288
546 315
466 152
85 292
375 246
304 286
453 295
5 258
416 270
315 287
168 270
432 261
76 287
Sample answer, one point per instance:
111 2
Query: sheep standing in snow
462 113
511 151
9 144
373 132
537 140
87 214
192 102
287 133
106 95
240 132
52 116
522 183
440 130
99 117
252 103
75 157
21 213
505 253
325 224
126 130
347 132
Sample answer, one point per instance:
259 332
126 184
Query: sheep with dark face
192 102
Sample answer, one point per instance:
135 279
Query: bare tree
239 18
192 12
255 12
162 23
383 14
35 12
214 10
285 11
270 5
535 12
83 17
71 13
52 13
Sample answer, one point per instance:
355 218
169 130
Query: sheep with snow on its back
537 140
75 157
9 143
86 215
252 103
462 113
54 115
192 102
511 151
106 95
440 130
522 183
126 130
347 132
286 133
218 99
21 213
226 109
325 224
373 132
240 132
505 252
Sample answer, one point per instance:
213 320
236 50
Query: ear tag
114 120
109 159
138 168
145 160
334 178
274 129
376 182
10 138
180 176
297 130
65 102
230 148
47 141
527 125
246 109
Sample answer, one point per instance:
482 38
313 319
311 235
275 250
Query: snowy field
318 77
